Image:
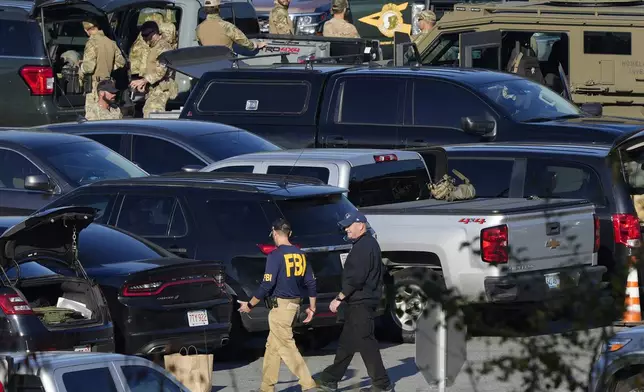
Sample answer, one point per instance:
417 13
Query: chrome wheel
410 303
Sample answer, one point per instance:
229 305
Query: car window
321 173
443 51
19 37
158 156
82 163
490 177
368 101
152 216
222 145
607 42
388 182
244 98
235 169
100 380
562 180
101 202
145 379
14 167
434 104
111 141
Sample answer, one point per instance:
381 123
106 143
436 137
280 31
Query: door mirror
38 182
479 126
594 109
192 168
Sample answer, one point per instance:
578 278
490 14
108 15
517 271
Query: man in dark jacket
362 284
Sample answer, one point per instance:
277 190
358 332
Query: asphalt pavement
399 359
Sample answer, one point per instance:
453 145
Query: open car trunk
630 152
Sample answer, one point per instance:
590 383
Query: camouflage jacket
216 31
96 112
101 57
155 72
140 50
340 28
279 21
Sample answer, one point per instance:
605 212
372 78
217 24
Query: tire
406 301
633 383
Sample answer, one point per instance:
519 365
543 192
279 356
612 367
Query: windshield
86 162
222 145
526 101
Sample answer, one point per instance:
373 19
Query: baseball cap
352 217
211 3
339 5
427 15
149 28
107 85
280 224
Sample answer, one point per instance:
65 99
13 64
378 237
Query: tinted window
368 101
86 162
596 42
562 180
315 216
235 169
158 156
224 145
20 38
486 58
152 216
111 141
434 104
101 202
255 98
321 173
388 182
14 168
490 177
443 51
100 379
145 379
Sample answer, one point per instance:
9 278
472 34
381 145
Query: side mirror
38 182
594 109
192 168
479 126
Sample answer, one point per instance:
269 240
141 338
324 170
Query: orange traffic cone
633 313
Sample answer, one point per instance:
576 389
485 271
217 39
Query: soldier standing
101 57
216 31
140 49
162 87
338 26
278 20
106 107
426 22
286 274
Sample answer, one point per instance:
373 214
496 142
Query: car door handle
177 250
337 141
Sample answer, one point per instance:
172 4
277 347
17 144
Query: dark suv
226 217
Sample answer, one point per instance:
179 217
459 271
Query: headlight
416 8
306 24
304 20
615 344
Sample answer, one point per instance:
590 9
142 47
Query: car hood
263 7
47 232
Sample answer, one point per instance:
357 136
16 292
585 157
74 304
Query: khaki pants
281 347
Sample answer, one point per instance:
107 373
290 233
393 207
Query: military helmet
339 5
427 15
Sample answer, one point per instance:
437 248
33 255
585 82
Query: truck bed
507 206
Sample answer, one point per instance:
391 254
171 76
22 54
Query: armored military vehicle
581 48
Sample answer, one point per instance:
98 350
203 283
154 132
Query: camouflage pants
156 101
91 100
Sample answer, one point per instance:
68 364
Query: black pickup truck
376 105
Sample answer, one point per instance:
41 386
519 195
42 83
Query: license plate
83 349
343 258
552 280
197 318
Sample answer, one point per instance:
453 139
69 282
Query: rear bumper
210 337
533 286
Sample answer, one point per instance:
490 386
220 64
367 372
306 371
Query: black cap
281 224
149 28
107 85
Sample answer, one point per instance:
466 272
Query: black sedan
157 302
38 167
162 146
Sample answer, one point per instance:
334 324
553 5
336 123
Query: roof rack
278 178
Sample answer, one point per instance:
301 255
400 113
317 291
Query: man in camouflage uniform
101 57
426 22
106 107
156 77
140 49
338 26
278 20
216 31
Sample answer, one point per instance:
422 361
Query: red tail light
626 230
385 158
268 248
494 244
14 304
596 247
40 80
154 288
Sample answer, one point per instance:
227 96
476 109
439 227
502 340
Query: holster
87 84
270 302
